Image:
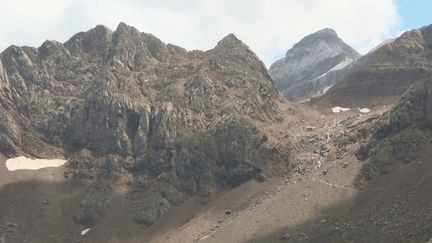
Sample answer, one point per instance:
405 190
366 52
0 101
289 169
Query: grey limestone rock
313 64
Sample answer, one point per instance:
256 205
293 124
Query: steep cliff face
124 102
404 134
385 73
312 64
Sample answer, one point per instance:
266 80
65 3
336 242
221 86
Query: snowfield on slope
364 110
338 109
24 163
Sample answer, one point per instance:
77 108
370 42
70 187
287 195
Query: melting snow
344 63
364 110
85 231
338 109
23 163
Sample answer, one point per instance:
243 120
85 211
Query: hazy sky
269 27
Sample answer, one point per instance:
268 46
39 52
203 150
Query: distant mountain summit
304 71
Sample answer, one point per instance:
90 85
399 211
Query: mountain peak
230 37
416 39
233 48
122 25
124 28
126 34
231 44
101 28
312 58
229 41
95 39
325 32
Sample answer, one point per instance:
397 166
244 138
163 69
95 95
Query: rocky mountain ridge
169 145
126 106
402 135
386 73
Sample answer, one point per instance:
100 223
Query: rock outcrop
314 64
122 102
385 73
403 134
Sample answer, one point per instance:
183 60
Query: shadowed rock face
312 64
404 132
386 73
124 102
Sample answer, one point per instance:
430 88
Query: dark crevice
132 124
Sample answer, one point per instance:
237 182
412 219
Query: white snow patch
364 110
85 231
338 109
23 163
317 94
323 91
344 63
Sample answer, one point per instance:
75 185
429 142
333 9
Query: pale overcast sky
269 27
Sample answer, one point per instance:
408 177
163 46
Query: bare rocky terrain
137 117
168 145
314 64
381 76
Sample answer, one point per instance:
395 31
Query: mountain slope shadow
394 207
39 211
44 211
